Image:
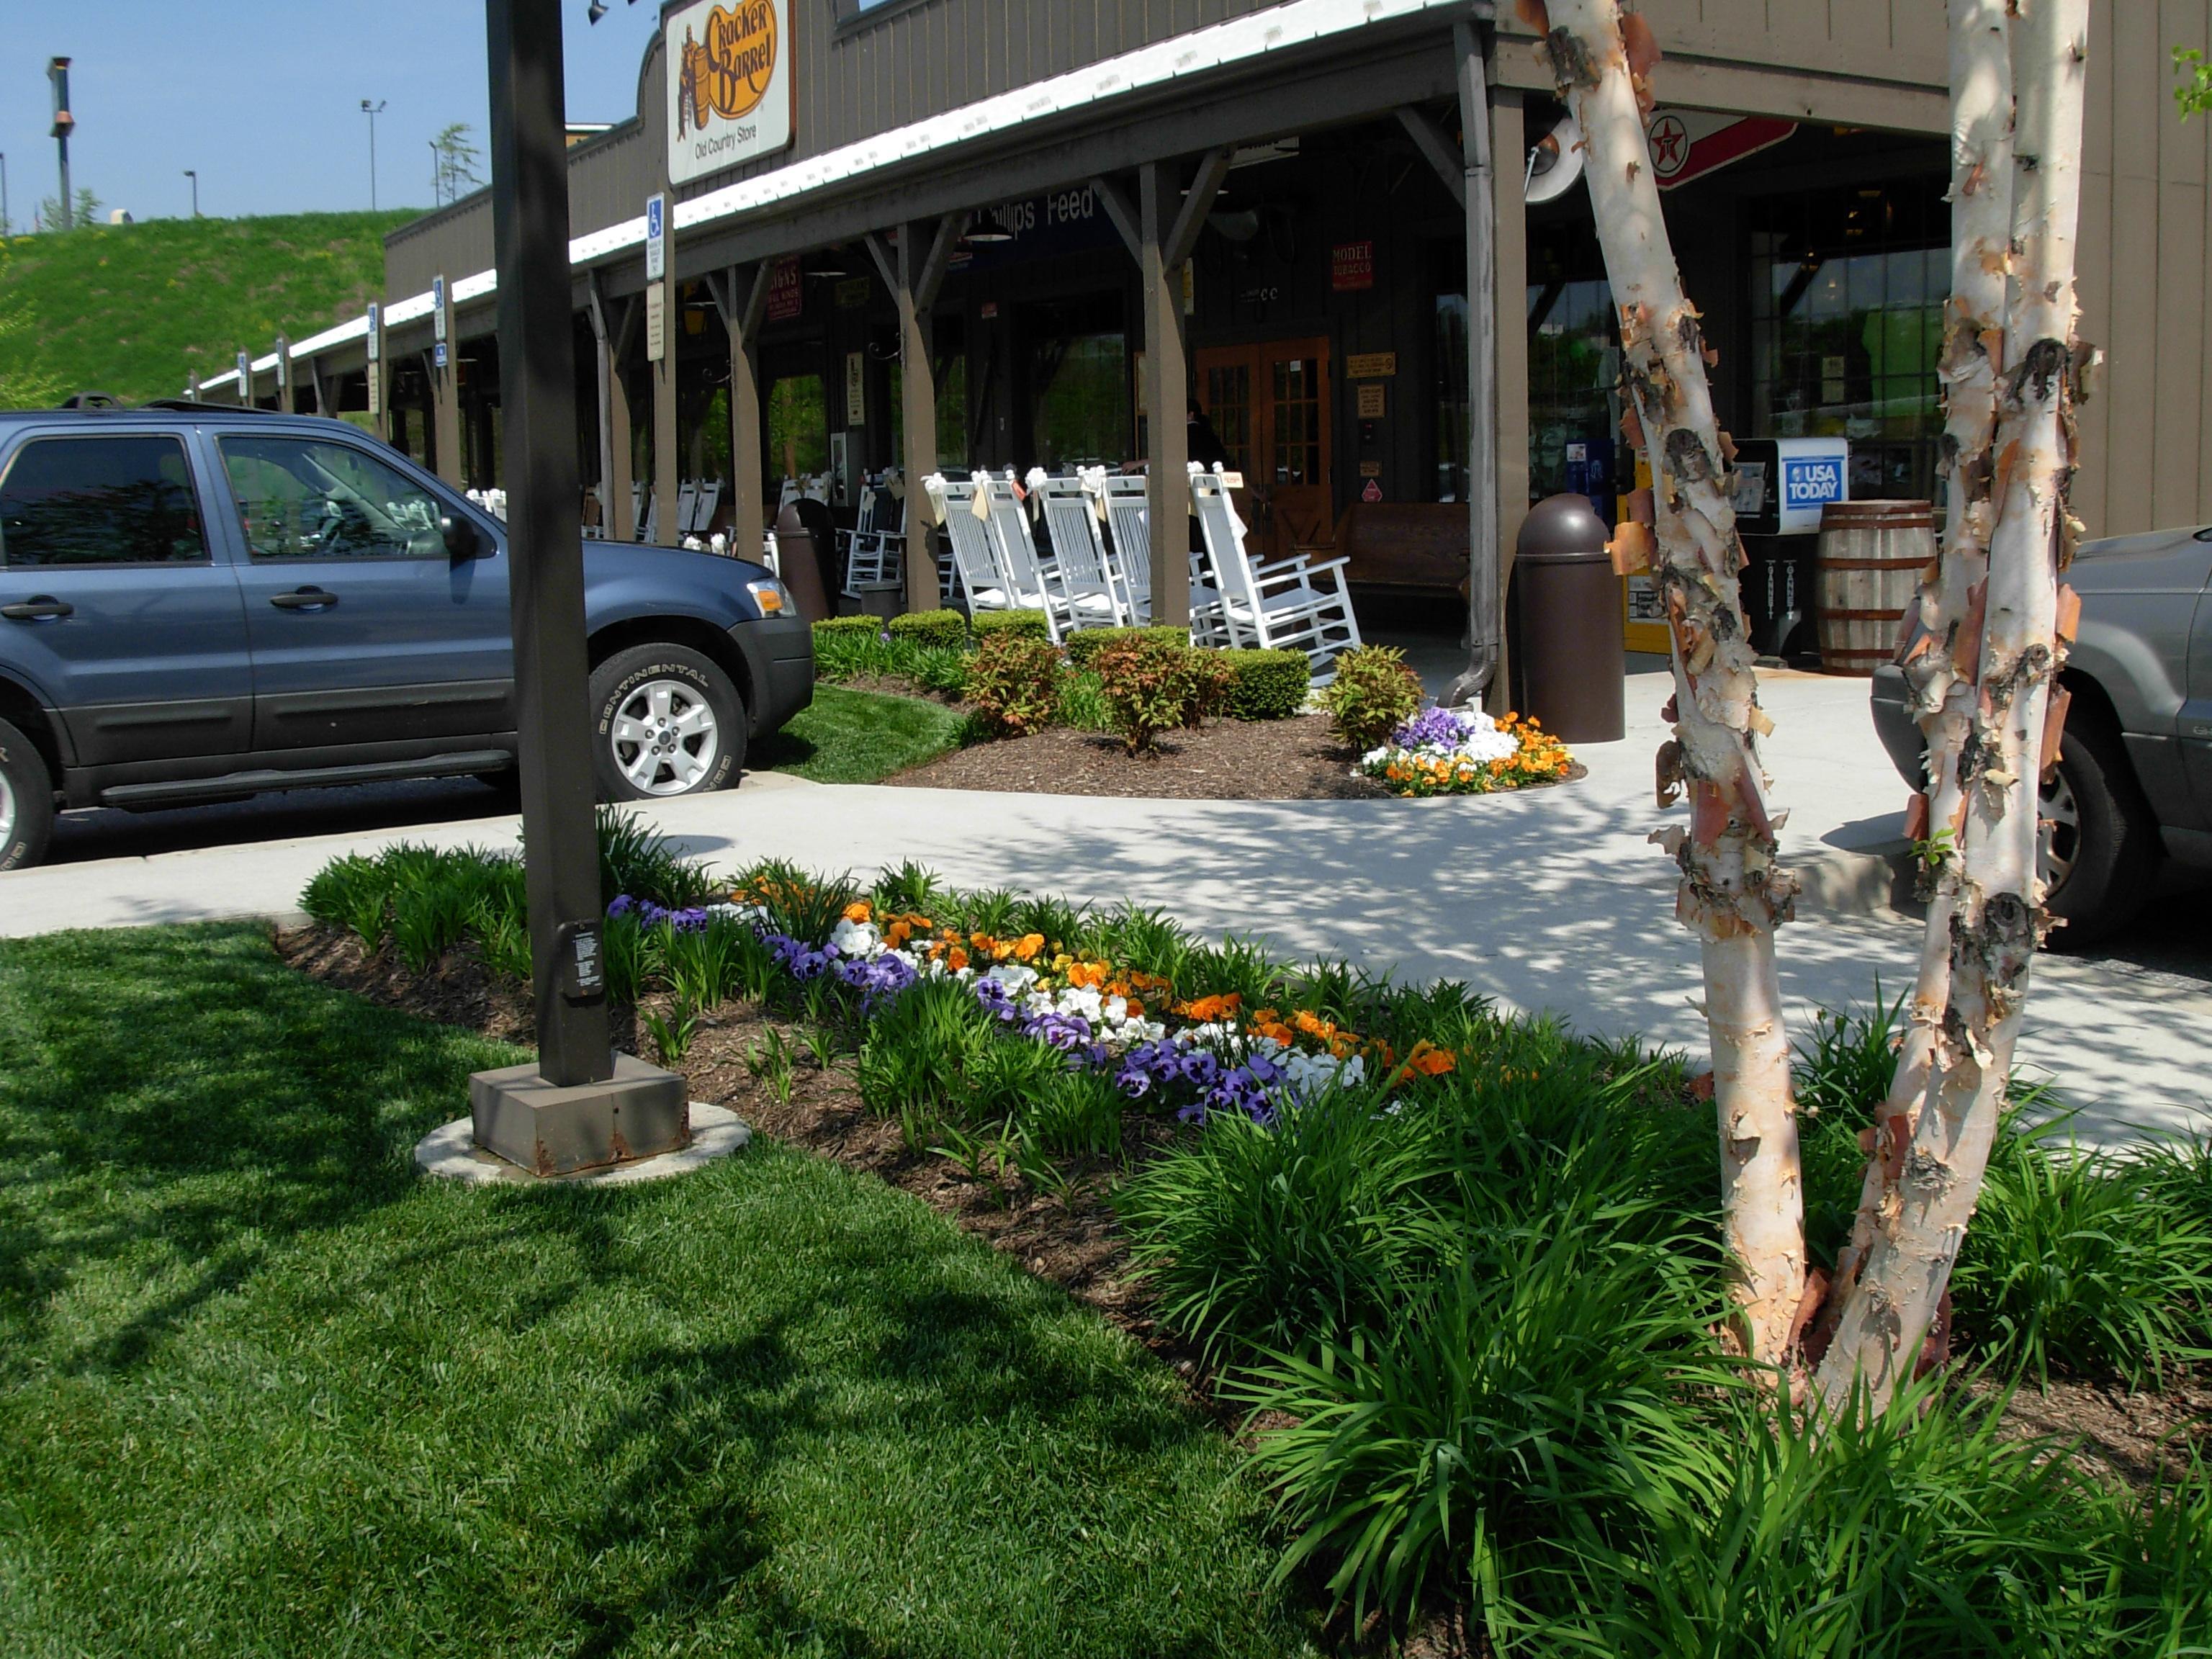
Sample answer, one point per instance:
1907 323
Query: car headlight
772 597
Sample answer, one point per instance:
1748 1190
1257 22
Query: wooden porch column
741 296
445 413
914 277
1496 284
1167 447
1510 301
667 457
1161 233
614 325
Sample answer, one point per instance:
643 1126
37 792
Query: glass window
798 427
300 498
1847 322
1082 414
101 500
1451 423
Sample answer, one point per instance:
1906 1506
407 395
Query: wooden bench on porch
1404 544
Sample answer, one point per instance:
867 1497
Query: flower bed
1201 1055
1462 751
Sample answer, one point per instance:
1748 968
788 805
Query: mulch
1071 1237
1296 759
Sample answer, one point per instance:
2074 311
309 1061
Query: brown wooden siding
2146 244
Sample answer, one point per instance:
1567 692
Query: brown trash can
1570 660
799 562
1869 567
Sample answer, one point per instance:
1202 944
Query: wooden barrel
1870 560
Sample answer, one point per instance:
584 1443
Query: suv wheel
2097 847
27 800
666 721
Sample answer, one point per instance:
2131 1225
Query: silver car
2133 786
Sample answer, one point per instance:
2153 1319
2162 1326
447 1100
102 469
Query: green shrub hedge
1027 623
1267 685
942 629
1084 646
840 627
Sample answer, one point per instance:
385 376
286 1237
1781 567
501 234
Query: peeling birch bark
1997 918
1939 670
1733 892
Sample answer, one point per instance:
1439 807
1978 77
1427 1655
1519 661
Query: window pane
1082 411
798 427
299 498
101 500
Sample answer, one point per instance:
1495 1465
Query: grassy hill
135 309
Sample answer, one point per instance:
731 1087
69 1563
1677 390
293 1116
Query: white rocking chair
874 547
1078 575
1282 606
1128 516
983 582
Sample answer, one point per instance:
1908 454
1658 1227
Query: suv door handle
41 607
306 599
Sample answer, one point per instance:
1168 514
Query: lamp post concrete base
550 1130
451 1152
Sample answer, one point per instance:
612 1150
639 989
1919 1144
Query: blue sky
263 96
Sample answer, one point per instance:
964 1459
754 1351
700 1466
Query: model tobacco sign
731 95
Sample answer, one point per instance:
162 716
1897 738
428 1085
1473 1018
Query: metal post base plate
640 1112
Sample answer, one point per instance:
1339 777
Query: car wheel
27 800
665 722
2097 847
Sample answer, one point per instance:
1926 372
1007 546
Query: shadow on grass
177 1104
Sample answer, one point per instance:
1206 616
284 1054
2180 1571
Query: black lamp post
192 173
581 1105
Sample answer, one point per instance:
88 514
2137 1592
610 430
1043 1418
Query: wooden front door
1270 403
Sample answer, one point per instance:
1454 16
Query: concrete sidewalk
1547 900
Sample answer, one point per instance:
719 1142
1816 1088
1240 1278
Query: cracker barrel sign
730 85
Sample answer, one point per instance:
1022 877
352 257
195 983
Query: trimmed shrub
1372 693
841 627
1014 682
1153 685
1026 624
1266 685
934 629
1088 642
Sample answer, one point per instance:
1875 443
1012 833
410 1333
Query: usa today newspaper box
1781 484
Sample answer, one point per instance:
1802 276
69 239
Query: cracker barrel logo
726 74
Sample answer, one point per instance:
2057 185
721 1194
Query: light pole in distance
64 123
192 173
372 111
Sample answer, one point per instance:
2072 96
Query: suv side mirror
460 537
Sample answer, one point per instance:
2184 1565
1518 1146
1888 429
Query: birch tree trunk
1940 667
1996 917
1732 892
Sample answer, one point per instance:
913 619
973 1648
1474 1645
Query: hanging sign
1352 266
787 296
437 313
1688 143
731 92
856 388
656 238
852 294
375 332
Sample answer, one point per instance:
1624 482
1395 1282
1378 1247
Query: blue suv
199 604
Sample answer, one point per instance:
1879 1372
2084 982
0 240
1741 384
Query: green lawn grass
264 1391
859 736
136 309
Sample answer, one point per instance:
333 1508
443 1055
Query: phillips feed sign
731 94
